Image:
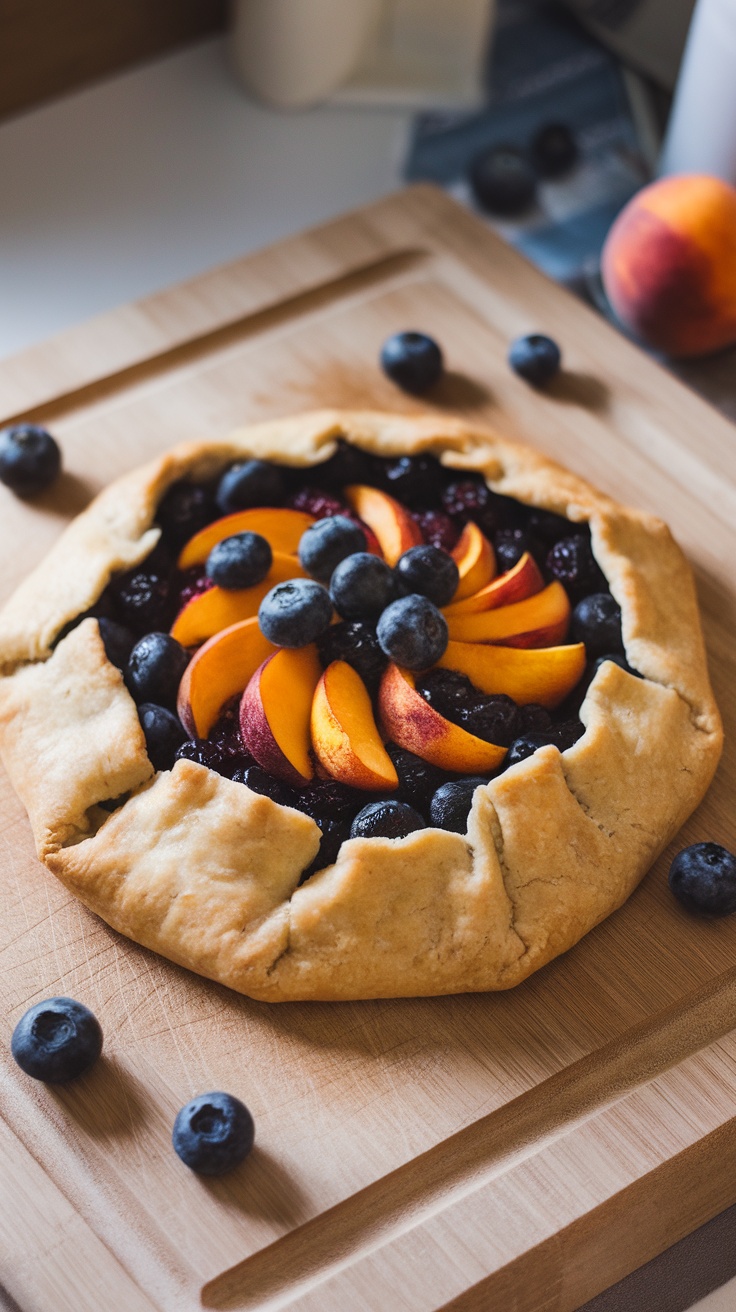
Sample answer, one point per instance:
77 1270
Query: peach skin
281 527
218 608
669 265
542 674
521 581
219 670
275 712
412 723
345 738
475 560
539 621
392 525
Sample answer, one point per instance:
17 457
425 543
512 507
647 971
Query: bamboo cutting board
522 1150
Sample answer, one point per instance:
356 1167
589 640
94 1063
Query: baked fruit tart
356 705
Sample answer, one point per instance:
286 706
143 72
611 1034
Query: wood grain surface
520 1150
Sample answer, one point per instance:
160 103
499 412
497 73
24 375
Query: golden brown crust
207 873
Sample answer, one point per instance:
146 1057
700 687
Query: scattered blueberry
295 613
503 181
596 621
184 510
415 481
412 632
387 819
525 746
213 1133
429 571
571 561
30 459
57 1040
252 483
155 669
437 528
164 734
412 360
450 806
703 878
240 561
354 641
494 719
535 357
554 150
327 543
117 641
362 585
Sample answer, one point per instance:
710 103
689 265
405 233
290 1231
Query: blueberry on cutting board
57 1040
412 360
213 1133
703 878
536 358
30 459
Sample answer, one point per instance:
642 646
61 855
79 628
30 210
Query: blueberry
535 358
412 632
259 781
554 150
412 360
503 181
450 806
415 481
524 746
449 693
429 571
703 879
184 510
164 734
494 719
362 585
355 642
117 641
57 1040
155 669
571 561
143 599
30 459
240 561
596 621
213 1133
294 614
387 819
252 483
327 543
418 780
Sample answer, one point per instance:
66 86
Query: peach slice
275 712
218 608
475 559
393 526
219 670
344 734
543 674
412 723
538 621
521 581
281 527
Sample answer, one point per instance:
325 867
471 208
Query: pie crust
205 872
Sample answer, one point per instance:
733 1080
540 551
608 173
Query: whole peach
669 265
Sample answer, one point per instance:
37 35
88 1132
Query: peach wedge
344 734
543 674
281 527
275 712
521 581
218 608
412 723
538 621
475 559
392 525
219 670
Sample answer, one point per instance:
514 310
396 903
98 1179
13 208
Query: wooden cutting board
521 1150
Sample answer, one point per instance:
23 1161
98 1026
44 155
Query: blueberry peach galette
356 705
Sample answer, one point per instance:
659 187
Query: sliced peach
218 608
538 621
275 712
412 723
521 581
393 526
219 670
281 527
344 734
475 560
543 674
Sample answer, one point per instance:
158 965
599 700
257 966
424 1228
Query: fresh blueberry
450 806
415 481
387 819
155 669
617 659
571 561
524 746
164 734
57 1040
554 150
252 483
362 585
184 510
494 719
294 614
355 642
503 181
327 543
596 621
703 879
117 641
429 571
213 1133
240 561
412 360
30 459
535 358
412 632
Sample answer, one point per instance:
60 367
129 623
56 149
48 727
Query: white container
701 135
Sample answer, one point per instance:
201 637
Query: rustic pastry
511 751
